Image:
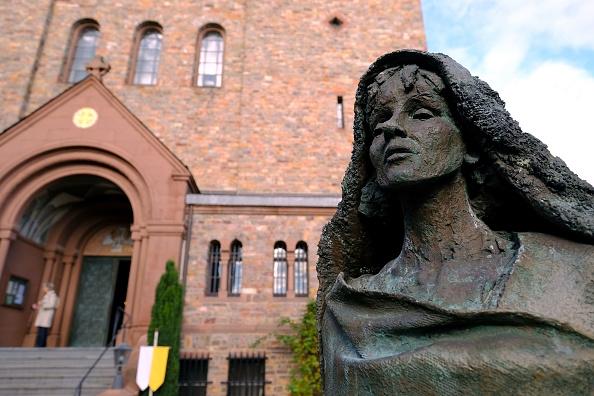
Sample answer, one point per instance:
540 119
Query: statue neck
440 225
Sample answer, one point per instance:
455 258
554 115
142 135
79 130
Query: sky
539 56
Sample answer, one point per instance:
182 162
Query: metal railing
120 314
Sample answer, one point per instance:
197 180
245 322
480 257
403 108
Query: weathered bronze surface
461 258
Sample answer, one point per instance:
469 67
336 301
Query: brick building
218 139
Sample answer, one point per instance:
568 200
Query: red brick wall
223 324
21 25
284 66
25 261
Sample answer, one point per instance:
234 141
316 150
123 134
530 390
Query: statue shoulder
554 250
553 278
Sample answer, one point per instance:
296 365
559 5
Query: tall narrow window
84 40
339 112
210 65
213 278
301 275
247 375
279 284
147 55
235 269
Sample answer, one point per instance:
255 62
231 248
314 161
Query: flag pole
155 343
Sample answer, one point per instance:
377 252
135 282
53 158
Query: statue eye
422 114
382 116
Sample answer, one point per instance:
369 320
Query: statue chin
414 181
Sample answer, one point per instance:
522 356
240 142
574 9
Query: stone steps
53 371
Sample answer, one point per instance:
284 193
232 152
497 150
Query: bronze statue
460 259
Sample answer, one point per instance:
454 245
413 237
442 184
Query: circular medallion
85 117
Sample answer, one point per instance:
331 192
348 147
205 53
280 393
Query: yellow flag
158 367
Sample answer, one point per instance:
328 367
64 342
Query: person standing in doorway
46 308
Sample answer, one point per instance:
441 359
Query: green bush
166 316
303 342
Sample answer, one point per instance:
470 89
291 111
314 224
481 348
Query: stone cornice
264 200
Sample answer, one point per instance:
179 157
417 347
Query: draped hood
516 185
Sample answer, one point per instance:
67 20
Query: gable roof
93 83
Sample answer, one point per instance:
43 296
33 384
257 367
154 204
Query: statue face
415 139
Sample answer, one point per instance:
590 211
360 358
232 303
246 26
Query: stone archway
49 186
63 221
59 239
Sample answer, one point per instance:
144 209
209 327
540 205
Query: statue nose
392 129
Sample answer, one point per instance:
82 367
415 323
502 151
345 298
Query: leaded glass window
210 66
235 269
213 278
86 46
148 56
279 287
301 275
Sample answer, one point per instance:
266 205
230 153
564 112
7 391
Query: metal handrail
114 333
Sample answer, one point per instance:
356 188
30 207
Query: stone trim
272 200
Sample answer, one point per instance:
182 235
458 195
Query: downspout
186 246
35 67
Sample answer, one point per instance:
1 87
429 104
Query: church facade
212 133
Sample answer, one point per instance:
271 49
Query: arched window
85 37
210 61
213 276
279 284
301 275
235 269
145 62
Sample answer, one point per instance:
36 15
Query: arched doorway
75 233
63 188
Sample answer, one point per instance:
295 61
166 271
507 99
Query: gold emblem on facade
85 117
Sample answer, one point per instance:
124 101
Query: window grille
213 279
193 374
148 56
210 67
235 269
86 45
247 375
339 112
301 275
280 269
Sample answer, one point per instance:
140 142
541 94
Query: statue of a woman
460 260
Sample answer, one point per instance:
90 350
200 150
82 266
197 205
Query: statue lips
398 152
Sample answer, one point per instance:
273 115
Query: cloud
552 23
554 103
526 50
